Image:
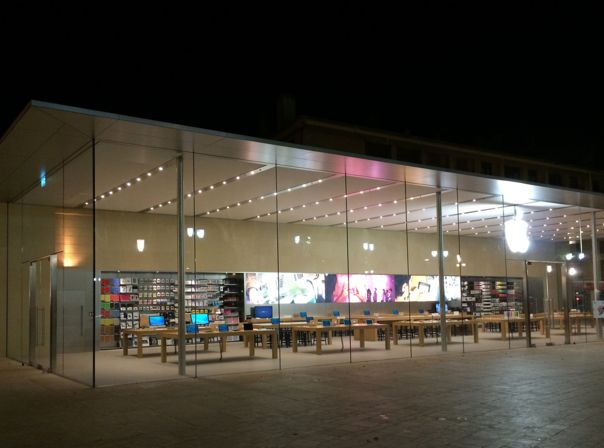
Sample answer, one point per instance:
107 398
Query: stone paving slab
545 397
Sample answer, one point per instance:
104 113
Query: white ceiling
235 188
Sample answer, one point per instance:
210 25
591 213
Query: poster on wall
598 309
262 288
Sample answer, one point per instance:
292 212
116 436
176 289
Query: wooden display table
422 324
318 329
139 333
208 334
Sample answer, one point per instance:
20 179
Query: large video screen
355 288
262 288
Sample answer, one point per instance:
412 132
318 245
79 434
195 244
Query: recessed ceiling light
102 196
151 208
224 182
149 174
111 192
138 179
189 195
161 168
238 177
211 187
238 204
160 205
119 188
128 184
249 200
85 203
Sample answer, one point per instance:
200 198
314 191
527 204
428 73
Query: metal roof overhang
46 135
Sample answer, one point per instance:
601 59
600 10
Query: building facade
135 250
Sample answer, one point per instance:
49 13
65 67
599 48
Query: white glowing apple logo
516 234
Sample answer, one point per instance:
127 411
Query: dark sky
558 125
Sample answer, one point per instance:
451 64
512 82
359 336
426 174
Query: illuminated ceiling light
474 200
119 188
249 200
396 202
189 195
569 256
516 234
316 202
303 205
303 185
297 239
238 177
152 208
224 182
211 187
572 271
199 191
261 197
339 213
138 179
161 168
362 192
160 205
320 180
128 184
85 203
140 245
169 202
190 231
102 196
258 216
581 256
252 173
149 174
238 204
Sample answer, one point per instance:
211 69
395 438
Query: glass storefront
291 258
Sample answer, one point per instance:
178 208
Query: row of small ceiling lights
211 187
159 169
128 184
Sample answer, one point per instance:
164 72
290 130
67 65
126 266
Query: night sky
560 126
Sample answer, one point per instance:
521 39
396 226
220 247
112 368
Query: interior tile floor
544 396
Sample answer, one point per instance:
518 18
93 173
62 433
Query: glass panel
136 261
314 307
75 308
423 269
378 274
232 218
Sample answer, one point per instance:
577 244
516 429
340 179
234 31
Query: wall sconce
201 233
140 245
549 268
434 253
189 232
368 246
297 239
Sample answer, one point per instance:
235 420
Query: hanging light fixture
581 255
516 233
